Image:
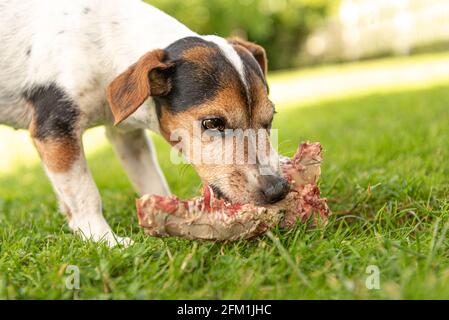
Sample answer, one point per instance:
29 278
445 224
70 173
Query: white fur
80 46
231 55
80 52
80 198
138 156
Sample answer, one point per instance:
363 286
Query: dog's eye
214 124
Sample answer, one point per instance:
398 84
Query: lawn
386 175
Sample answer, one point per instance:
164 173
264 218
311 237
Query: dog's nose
274 188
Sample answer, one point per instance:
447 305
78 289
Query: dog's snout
274 188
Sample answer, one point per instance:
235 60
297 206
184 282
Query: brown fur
257 51
130 89
200 55
228 103
58 154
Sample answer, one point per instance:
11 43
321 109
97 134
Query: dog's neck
132 28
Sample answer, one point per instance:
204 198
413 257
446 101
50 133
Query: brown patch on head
201 72
228 104
200 55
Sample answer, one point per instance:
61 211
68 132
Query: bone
210 218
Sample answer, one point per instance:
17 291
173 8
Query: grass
386 174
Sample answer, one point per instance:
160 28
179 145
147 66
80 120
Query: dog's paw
110 239
97 230
120 241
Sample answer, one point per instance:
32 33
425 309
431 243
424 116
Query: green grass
386 174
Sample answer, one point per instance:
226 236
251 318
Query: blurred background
304 32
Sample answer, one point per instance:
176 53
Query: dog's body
80 46
59 58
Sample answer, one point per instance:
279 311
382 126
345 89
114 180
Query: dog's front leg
138 156
65 164
66 167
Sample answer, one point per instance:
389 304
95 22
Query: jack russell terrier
67 66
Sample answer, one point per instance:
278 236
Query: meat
210 218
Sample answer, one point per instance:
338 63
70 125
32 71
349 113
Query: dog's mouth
219 194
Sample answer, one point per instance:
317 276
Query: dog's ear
147 77
257 51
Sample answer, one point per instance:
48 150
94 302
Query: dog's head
212 103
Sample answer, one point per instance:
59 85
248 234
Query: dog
66 66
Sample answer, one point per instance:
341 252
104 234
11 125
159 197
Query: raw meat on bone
211 218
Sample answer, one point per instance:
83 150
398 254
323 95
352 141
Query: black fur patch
55 114
194 83
177 48
158 105
253 74
250 63
219 194
253 71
